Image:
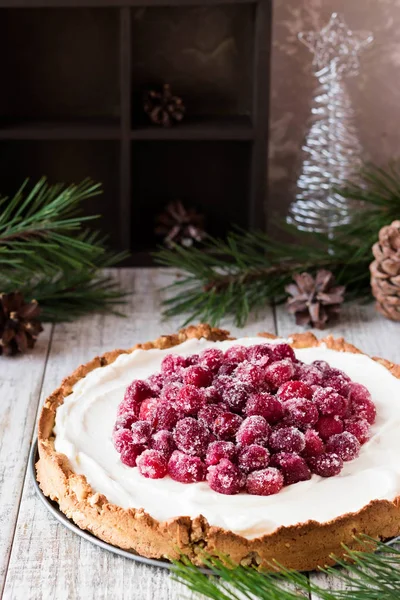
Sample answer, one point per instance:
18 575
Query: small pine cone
162 107
385 271
19 323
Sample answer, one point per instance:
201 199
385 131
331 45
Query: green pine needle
248 270
370 576
47 252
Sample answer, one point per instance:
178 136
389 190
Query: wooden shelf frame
252 130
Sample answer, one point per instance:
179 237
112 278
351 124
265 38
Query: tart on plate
257 448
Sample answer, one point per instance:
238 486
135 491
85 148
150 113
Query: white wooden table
41 559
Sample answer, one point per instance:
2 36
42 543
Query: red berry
264 482
191 436
212 359
212 395
314 444
135 393
259 354
337 383
210 412
227 368
253 458
281 351
345 445
327 426
326 465
125 421
185 468
218 450
322 365
308 374
300 412
147 409
287 439
266 405
191 360
279 372
251 375
198 376
172 363
130 454
163 441
294 389
163 416
253 430
235 394
293 467
141 431
189 400
170 392
156 382
225 478
235 354
331 372
152 464
361 404
330 402
360 428
226 425
122 439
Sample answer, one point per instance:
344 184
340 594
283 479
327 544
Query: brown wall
375 92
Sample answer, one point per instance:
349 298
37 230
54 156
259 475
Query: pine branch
370 576
250 269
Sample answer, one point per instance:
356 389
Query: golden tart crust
303 547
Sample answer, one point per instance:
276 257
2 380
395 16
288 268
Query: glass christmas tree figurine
332 150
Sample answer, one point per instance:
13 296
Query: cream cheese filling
85 420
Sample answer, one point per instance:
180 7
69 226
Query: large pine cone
385 271
19 323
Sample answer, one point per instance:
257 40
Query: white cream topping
85 421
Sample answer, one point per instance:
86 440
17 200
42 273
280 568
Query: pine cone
19 323
162 107
316 301
385 271
179 225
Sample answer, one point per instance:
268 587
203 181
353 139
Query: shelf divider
125 142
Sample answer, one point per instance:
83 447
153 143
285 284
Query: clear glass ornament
332 150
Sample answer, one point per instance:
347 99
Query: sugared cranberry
330 402
212 359
279 372
322 365
170 392
235 394
259 354
225 478
345 445
331 372
125 421
253 430
308 374
218 450
227 368
314 444
337 383
360 428
191 436
251 375
328 426
300 412
253 458
198 376
189 400
156 382
236 354
210 412
152 464
212 395
326 465
281 351
122 439
135 393
294 389
287 439
293 467
266 405
163 416
361 403
141 431
163 441
185 468
226 425
171 363
191 360
147 408
264 482
130 454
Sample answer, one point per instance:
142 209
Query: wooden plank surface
20 386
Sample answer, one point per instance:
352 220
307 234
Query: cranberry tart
258 448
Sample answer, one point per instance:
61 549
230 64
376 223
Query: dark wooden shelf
82 129
201 128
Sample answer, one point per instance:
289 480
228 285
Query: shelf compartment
81 129
59 64
211 176
199 128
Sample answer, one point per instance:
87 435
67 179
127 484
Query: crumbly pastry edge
302 547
